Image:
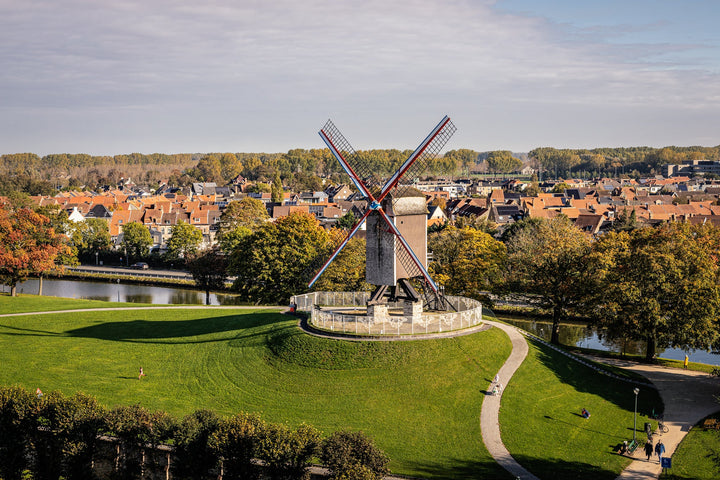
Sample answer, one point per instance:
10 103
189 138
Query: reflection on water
118 292
590 337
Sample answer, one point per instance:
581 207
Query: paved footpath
688 396
489 421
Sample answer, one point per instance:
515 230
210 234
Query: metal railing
338 312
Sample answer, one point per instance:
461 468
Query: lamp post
635 391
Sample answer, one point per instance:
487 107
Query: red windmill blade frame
354 167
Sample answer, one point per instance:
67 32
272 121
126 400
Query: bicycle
662 427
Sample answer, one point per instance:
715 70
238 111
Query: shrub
194 459
17 419
287 453
236 441
353 455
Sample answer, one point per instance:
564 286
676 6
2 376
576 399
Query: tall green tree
466 261
136 240
549 266
502 161
239 219
659 285
184 241
209 270
276 190
347 272
278 259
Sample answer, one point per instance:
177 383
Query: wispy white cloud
253 75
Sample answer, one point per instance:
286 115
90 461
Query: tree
90 237
625 222
346 454
209 270
194 457
208 169
184 241
28 246
136 240
230 166
239 219
278 259
548 263
287 453
136 429
17 418
658 285
347 272
347 221
466 261
276 190
502 161
236 442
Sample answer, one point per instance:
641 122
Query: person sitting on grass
585 413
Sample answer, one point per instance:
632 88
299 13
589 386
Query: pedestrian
648 450
685 363
659 450
497 378
495 390
585 413
142 374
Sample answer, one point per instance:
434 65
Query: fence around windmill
340 312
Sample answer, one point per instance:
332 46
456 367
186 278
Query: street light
635 391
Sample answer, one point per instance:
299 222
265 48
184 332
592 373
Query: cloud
253 62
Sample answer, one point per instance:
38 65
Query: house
436 216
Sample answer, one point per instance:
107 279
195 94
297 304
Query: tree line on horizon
305 168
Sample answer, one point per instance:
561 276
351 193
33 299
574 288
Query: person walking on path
659 450
497 378
648 450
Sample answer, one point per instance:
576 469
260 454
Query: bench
632 446
710 423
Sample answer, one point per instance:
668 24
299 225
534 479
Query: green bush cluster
52 436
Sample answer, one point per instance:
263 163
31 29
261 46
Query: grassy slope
420 400
542 426
697 457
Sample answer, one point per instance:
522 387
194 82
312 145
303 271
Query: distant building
692 168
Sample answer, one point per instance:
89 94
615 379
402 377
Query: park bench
632 446
710 423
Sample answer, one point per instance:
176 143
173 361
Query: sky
174 76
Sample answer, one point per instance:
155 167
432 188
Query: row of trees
612 161
54 436
660 285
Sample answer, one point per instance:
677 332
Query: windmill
396 218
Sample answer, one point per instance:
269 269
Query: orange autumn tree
29 246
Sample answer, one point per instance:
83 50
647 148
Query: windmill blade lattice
367 182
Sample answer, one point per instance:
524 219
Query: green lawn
419 400
697 457
542 426
34 303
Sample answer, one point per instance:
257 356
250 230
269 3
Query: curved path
489 415
689 396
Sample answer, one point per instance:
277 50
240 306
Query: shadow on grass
460 469
557 469
178 331
572 425
584 379
541 467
